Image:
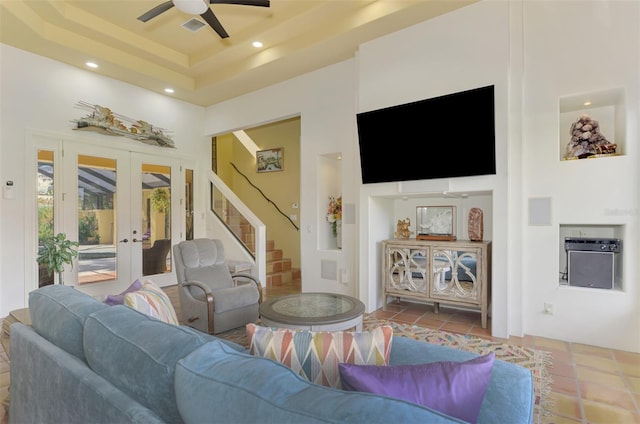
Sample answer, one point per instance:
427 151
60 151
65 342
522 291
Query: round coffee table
313 311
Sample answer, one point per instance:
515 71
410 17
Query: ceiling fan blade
262 3
214 23
161 8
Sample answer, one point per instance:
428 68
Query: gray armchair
212 299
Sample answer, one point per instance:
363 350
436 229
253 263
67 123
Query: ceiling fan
200 7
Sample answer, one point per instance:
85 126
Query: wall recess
602 113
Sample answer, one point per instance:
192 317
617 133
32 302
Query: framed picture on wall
270 160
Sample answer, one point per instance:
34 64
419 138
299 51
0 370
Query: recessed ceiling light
587 103
169 90
256 44
91 65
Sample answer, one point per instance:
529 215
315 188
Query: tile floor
592 385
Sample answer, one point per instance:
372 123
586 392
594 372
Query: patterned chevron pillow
153 301
315 355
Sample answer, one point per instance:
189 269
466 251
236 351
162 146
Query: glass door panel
97 189
188 204
156 219
45 202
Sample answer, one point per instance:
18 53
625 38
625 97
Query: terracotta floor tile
430 323
600 413
599 393
432 315
418 307
466 318
627 357
596 362
406 318
636 396
593 376
566 405
556 419
630 369
562 369
383 314
560 356
592 350
478 331
633 383
565 385
544 343
414 312
526 341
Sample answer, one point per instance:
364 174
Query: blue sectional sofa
85 362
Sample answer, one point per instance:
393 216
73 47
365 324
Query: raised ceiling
298 36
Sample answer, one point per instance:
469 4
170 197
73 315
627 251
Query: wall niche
591 123
595 253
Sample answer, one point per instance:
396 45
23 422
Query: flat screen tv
442 137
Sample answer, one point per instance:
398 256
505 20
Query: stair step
278 266
274 255
278 278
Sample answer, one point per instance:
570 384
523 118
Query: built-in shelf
329 185
596 263
607 107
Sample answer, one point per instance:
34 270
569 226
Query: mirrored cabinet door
455 274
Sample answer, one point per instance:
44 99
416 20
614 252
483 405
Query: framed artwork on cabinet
436 222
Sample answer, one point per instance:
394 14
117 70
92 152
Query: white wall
462 50
41 94
588 191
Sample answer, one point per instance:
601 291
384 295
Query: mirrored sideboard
456 273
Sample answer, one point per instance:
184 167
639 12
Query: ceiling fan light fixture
191 7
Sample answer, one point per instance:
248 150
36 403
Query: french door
124 210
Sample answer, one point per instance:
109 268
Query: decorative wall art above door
104 121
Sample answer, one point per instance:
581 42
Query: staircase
279 270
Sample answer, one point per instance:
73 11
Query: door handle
124 241
135 240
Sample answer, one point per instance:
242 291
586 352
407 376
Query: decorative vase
339 233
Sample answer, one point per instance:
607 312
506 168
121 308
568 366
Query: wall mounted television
441 137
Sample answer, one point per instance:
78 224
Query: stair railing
243 224
265 197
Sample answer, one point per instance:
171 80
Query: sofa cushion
216 384
455 388
58 314
153 301
509 397
137 354
315 354
118 299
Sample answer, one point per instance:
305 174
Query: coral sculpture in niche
587 140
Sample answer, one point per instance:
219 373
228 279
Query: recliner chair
212 299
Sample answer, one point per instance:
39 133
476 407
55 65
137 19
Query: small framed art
270 160
436 222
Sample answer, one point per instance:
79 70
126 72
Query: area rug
535 360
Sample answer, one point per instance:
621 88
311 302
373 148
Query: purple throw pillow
118 299
454 388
